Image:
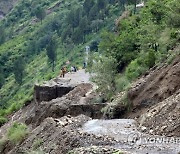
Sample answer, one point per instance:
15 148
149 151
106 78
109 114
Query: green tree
105 70
93 13
174 14
67 32
31 48
133 2
74 17
83 25
19 68
51 52
40 13
77 36
101 4
122 4
88 4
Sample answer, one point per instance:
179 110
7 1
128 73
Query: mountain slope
6 6
26 32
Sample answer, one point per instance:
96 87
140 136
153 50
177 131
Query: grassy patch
17 133
122 83
3 120
3 143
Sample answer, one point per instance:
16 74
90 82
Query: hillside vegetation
144 40
38 37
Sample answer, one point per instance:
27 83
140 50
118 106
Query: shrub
122 83
105 70
3 143
13 107
134 70
126 102
2 112
3 121
48 77
150 59
17 132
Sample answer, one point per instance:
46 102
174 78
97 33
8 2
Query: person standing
63 72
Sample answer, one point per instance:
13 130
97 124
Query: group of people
73 69
64 69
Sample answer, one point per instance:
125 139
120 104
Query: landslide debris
163 118
60 136
69 104
97 150
156 86
156 100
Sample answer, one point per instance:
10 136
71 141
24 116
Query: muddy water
130 139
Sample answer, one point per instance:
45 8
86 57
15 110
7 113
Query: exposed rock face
91 110
47 93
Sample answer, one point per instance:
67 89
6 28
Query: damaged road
71 123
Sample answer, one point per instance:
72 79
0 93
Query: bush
3 143
2 112
150 59
13 107
17 133
105 70
126 102
48 77
134 70
122 83
3 121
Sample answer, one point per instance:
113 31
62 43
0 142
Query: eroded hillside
72 122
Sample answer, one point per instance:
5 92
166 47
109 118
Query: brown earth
155 99
156 86
51 123
58 136
73 103
55 124
163 118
